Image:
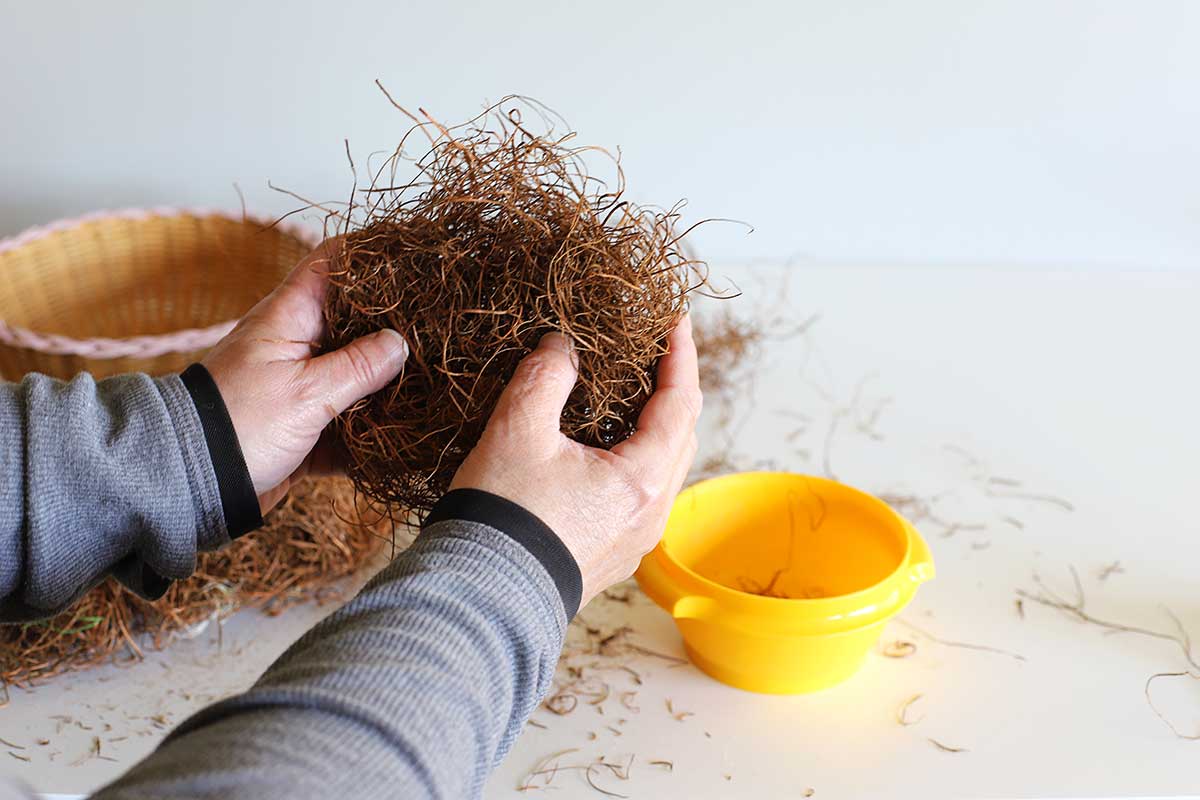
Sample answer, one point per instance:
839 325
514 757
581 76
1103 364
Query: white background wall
931 131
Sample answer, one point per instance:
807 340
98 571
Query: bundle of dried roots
502 237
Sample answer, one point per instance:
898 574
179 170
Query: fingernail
556 341
397 344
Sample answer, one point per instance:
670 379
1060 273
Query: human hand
609 507
279 396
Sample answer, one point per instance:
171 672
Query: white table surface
1082 386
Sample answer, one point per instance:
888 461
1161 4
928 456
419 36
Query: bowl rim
184 340
857 608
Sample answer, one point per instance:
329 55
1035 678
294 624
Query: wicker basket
134 291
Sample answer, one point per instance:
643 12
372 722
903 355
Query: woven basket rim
148 346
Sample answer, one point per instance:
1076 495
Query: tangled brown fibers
314 538
502 237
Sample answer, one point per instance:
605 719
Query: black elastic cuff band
238 499
475 505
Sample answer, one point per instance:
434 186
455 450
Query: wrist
523 527
239 502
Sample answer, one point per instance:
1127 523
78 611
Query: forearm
99 477
414 689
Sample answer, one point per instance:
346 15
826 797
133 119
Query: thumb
345 376
531 404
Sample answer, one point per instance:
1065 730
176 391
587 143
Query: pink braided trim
182 341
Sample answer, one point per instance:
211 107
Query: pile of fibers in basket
502 236
305 546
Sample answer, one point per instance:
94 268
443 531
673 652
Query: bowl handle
694 607
920 562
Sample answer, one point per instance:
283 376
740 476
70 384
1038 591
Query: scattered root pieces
852 412
600 695
924 509
20 757
963 645
13 745
637 677
945 748
669 766
92 752
620 595
596 665
543 768
1032 497
609 643
902 713
919 509
1076 609
674 661
899 649
1109 570
728 346
561 703
715 465
809 792
679 716
548 768
592 689
1195 677
596 766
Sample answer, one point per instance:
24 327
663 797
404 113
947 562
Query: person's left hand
280 397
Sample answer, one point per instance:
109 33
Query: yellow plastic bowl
781 583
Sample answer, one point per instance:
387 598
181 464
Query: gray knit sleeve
96 478
414 689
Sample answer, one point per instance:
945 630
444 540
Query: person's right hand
280 395
609 507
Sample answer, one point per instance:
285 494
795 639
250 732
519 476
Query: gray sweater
414 689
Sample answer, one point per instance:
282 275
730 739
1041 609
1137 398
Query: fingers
294 311
310 277
366 365
679 367
531 405
666 426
